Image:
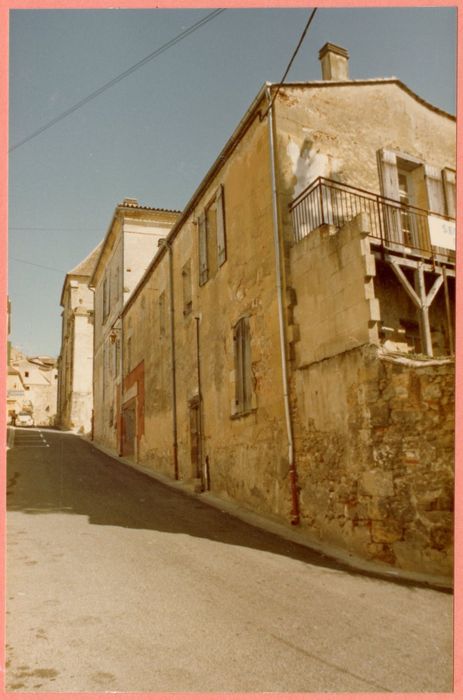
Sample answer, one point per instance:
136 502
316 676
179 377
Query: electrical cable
306 29
118 78
45 267
51 228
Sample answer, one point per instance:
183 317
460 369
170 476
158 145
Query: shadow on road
71 476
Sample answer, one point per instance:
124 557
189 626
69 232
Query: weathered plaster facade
225 386
130 245
75 363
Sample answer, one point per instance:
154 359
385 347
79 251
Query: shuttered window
389 181
449 180
186 283
243 376
203 267
221 240
434 189
212 237
162 314
106 297
389 178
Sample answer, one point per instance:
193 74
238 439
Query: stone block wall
332 273
377 474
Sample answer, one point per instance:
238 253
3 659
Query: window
129 354
186 283
243 375
162 314
449 179
203 266
212 238
117 356
106 297
411 182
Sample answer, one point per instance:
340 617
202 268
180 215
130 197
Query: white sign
442 232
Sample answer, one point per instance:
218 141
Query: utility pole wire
306 29
45 267
118 78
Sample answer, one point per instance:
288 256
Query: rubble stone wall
376 475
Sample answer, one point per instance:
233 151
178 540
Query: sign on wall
442 232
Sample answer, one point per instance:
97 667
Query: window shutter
221 244
247 383
388 176
389 181
434 189
237 337
203 268
243 376
449 180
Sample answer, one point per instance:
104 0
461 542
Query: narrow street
116 582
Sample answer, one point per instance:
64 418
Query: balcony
394 226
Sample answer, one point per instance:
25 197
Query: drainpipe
173 362
200 408
295 520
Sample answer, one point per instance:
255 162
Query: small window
26 374
186 283
243 374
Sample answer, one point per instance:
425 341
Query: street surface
116 582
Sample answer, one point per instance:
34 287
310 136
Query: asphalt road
116 582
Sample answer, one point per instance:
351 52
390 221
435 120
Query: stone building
290 347
75 363
32 387
127 250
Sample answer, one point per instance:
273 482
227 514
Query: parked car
24 420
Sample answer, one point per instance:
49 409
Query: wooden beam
448 310
425 325
406 284
434 289
407 262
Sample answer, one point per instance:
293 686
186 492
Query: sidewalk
288 532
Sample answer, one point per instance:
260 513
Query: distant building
131 243
32 387
75 363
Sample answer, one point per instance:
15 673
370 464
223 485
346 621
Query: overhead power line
118 78
45 267
296 50
50 228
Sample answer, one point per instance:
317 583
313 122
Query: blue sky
154 135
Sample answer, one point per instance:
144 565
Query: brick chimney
335 62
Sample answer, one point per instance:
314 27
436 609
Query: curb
353 563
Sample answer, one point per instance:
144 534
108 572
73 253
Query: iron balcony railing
394 224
